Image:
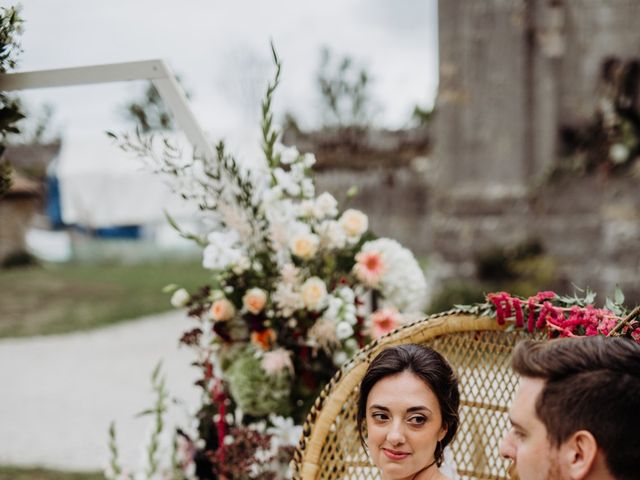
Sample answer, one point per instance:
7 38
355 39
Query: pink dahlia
384 321
369 268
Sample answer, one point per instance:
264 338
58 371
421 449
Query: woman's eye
418 420
379 416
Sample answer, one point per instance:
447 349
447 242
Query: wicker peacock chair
477 348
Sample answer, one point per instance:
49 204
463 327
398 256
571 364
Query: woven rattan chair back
477 348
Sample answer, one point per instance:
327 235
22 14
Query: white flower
339 358
223 250
402 283
309 160
286 182
275 361
314 292
344 330
180 298
308 190
325 206
332 235
618 153
289 273
284 431
288 155
287 299
354 223
304 245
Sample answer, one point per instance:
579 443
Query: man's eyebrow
515 424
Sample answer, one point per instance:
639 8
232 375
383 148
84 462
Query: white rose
326 206
180 298
332 235
344 330
354 223
314 292
254 300
304 245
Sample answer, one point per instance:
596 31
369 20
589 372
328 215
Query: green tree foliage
345 92
149 113
10 110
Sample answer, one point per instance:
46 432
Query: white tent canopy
103 186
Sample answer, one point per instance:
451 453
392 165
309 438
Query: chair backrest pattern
477 348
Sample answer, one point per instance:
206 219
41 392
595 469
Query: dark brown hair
426 364
591 383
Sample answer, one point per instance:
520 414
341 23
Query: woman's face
404 423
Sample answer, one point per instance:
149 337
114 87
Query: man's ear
578 455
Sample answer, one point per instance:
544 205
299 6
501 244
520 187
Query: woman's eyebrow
419 408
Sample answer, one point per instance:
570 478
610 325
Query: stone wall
512 73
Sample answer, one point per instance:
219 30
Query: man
576 413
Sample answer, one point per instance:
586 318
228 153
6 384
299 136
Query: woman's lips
395 455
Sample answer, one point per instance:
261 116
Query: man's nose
506 446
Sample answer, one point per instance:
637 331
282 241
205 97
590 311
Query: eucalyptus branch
189 236
269 133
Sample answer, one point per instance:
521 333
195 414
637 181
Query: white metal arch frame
155 71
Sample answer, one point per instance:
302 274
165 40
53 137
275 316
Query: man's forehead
523 405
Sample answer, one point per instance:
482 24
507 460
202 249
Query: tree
344 88
149 112
10 108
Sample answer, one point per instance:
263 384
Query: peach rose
254 300
222 310
313 292
304 245
354 222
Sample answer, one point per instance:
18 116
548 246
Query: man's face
526 443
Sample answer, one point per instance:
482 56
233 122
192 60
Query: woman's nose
395 436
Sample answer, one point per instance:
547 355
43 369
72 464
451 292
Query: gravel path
58 394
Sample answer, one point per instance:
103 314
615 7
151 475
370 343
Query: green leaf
618 296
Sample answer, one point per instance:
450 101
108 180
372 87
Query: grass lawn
55 298
15 473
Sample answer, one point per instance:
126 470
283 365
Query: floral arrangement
297 286
561 316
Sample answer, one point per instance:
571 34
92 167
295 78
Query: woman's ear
443 431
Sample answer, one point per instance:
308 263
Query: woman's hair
426 364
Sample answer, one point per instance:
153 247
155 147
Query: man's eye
418 420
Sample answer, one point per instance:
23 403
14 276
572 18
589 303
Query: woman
408 402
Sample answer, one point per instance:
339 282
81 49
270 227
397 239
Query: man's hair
591 383
426 364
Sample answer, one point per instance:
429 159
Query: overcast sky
221 50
